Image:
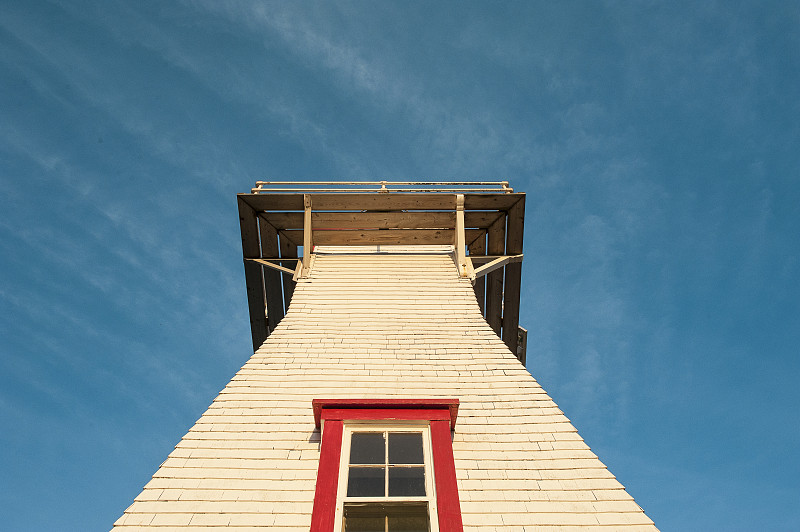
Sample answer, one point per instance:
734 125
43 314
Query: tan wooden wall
376 325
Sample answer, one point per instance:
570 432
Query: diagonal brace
494 265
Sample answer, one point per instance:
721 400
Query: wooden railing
452 187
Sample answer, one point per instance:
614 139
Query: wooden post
478 247
308 242
253 275
513 274
494 280
288 250
460 243
272 277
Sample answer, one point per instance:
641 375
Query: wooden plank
288 250
383 202
513 275
494 281
522 345
381 220
481 219
254 278
272 277
498 202
388 236
295 236
478 247
273 202
394 201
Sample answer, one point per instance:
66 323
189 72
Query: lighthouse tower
387 390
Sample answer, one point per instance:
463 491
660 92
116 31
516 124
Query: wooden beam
513 275
273 265
494 281
499 262
478 247
294 236
383 202
522 344
377 201
496 202
288 251
308 242
272 277
402 237
254 278
381 220
273 202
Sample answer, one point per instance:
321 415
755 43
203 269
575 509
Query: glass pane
365 482
414 521
365 524
401 517
405 448
367 448
406 481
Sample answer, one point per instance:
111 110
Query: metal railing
452 187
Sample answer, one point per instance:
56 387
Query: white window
386 479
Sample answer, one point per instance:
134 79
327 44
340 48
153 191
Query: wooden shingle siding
383 325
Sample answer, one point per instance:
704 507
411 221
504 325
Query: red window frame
441 415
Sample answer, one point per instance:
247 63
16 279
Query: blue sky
657 142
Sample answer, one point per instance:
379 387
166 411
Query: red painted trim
388 414
324 513
442 416
417 404
444 471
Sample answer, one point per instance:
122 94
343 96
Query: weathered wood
383 202
308 239
478 247
254 278
273 202
272 277
394 201
389 236
288 251
293 236
494 281
499 202
522 344
381 220
513 275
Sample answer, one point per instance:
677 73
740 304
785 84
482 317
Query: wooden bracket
493 265
272 265
298 271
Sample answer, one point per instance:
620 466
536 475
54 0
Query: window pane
405 448
406 481
402 517
414 522
365 524
365 482
367 448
